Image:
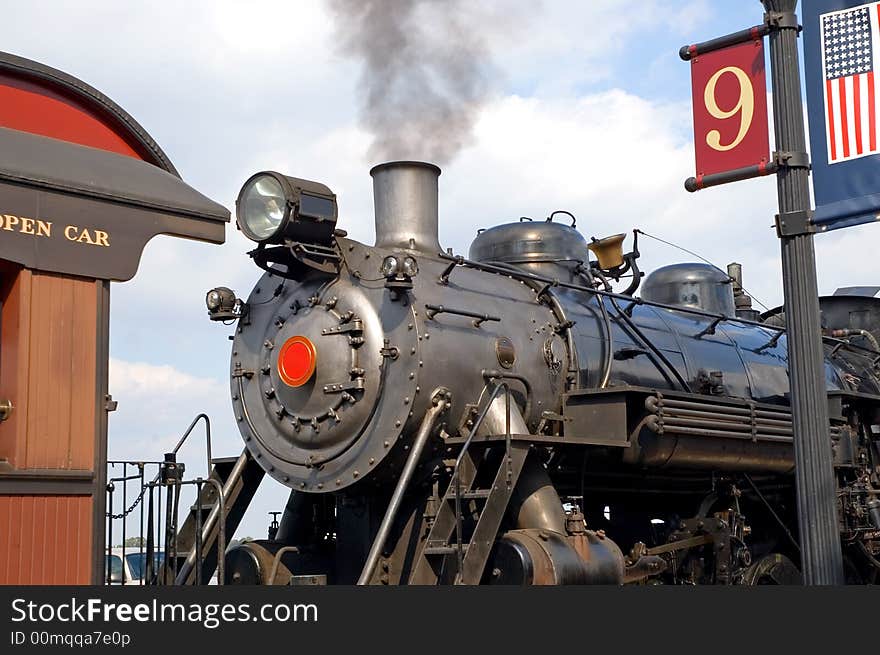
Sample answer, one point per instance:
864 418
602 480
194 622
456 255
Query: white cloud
157 402
141 380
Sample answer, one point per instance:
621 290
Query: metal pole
141 533
148 575
822 561
124 517
197 508
109 535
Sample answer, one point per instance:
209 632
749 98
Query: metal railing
133 476
159 485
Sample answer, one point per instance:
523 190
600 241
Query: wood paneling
45 539
48 369
48 344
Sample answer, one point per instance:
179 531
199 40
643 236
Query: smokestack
405 197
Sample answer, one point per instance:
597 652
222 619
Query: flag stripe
830 100
872 119
857 113
866 115
844 127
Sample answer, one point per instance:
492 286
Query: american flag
848 60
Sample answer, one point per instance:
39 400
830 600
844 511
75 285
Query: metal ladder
449 553
192 552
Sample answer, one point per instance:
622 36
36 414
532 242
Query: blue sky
589 112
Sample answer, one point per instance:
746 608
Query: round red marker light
296 361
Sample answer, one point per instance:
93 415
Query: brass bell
609 251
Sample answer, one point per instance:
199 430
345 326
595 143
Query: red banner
730 108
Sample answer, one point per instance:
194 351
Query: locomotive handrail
441 399
494 374
585 271
194 557
186 434
433 310
458 260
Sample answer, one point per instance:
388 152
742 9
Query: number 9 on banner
744 107
730 108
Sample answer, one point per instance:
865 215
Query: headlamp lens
261 208
213 299
410 267
389 266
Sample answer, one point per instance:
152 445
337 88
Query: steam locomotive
509 418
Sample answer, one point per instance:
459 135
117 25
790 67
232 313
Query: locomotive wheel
773 569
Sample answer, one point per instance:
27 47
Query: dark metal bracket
772 343
387 350
559 328
546 288
710 329
356 325
796 223
781 20
356 384
444 276
240 372
628 352
791 159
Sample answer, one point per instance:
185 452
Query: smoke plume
424 76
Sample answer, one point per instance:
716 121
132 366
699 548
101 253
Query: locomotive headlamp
398 272
222 304
395 267
410 266
273 208
389 266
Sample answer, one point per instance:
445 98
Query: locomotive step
224 460
445 550
206 507
470 495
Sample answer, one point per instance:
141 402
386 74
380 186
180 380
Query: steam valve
273 527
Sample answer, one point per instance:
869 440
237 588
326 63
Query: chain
136 502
